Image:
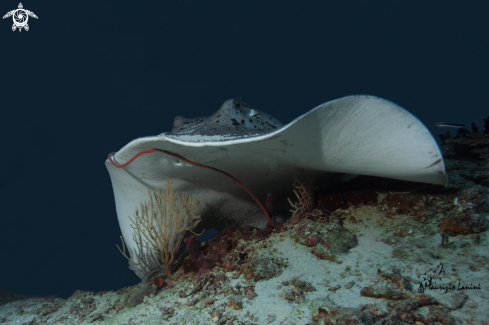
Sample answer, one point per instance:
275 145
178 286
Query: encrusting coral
159 226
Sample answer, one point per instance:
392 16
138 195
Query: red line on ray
193 163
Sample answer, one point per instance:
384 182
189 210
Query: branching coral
159 226
304 192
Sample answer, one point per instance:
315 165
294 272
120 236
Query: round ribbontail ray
353 135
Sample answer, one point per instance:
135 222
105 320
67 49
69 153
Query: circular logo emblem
20 17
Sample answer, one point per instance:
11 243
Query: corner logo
20 17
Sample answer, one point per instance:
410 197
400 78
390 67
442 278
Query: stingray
353 135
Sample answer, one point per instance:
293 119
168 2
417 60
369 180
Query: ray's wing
8 14
30 13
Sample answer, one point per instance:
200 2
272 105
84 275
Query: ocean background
89 77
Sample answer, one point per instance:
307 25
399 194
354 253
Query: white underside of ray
362 135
